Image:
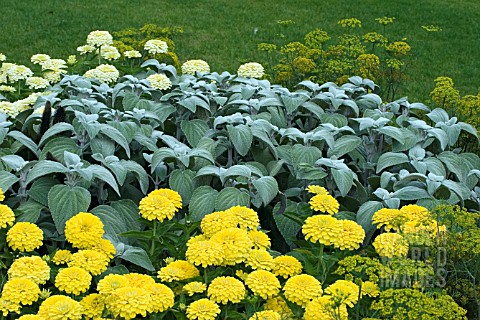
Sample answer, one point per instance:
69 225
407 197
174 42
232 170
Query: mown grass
222 32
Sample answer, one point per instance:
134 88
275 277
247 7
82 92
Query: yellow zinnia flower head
194 287
390 245
324 308
7 217
415 212
352 235
247 218
226 289
266 315
33 268
170 194
323 229
370 289
92 261
138 280
205 253
106 247
343 292
128 302
324 203
157 207
59 307
259 259
302 288
251 70
178 270
317 189
2 195
390 218
236 245
217 221
30 317
193 66
263 283
110 283
279 305
73 280
62 257
203 309
84 230
21 291
259 239
93 305
286 266
99 38
162 297
7 306
25 237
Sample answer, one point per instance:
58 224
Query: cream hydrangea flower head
109 52
251 70
159 81
2 57
85 49
156 46
104 73
193 66
9 89
40 58
37 83
130 54
99 38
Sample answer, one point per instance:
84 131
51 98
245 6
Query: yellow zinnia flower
266 315
25 237
128 302
194 287
263 283
302 288
84 230
178 270
324 308
73 280
317 189
247 218
279 305
112 282
93 305
92 261
351 237
162 297
33 268
236 245
217 221
286 266
324 203
343 292
62 257
59 307
205 253
170 194
7 217
203 309
157 207
138 280
390 245
226 289
322 228
21 291
2 195
260 239
259 259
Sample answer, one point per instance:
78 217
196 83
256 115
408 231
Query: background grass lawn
222 32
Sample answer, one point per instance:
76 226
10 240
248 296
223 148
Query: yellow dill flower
266 315
399 48
351 237
110 283
303 65
390 245
138 280
21 291
259 239
259 259
170 194
390 218
161 296
159 81
323 229
106 247
370 289
7 217
286 266
374 37
7 306
236 245
251 70
247 218
267 47
25 237
385 20
317 189
226 289
315 38
2 195
324 308
194 287
415 212
431 28
263 283
302 288
62 257
92 261
217 221
93 305
33 268
193 66
279 305
157 207
59 307
178 270
324 203
205 253
350 23
203 309
343 292
84 230
73 280
128 302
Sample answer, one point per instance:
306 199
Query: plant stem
152 248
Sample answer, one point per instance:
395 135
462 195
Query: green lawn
222 32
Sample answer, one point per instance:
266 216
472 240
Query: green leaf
293 101
163 110
103 174
309 172
411 193
44 167
113 222
159 155
40 188
65 202
267 188
30 211
130 101
14 162
57 146
364 217
236 171
116 136
25 141
304 154
129 211
182 182
7 180
344 145
104 146
288 227
194 130
393 132
139 173
241 137
138 257
202 202
343 180
438 115
338 120
230 197
390 159
55 130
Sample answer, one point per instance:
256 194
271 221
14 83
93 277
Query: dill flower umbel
59 307
390 245
92 261
178 270
217 221
324 308
205 253
25 237
99 38
226 289
73 280
128 302
324 203
286 266
352 235
21 291
263 283
247 218
259 259
159 81
203 309
84 230
266 315
157 207
33 268
110 283
7 217
259 239
251 70
194 287
302 288
193 66
156 46
162 297
343 292
93 305
236 245
322 228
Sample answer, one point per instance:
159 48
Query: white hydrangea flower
130 54
192 66
40 58
251 70
156 46
109 53
104 73
37 83
159 81
7 89
99 38
2 57
85 49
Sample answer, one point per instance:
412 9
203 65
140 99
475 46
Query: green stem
320 261
152 248
205 276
